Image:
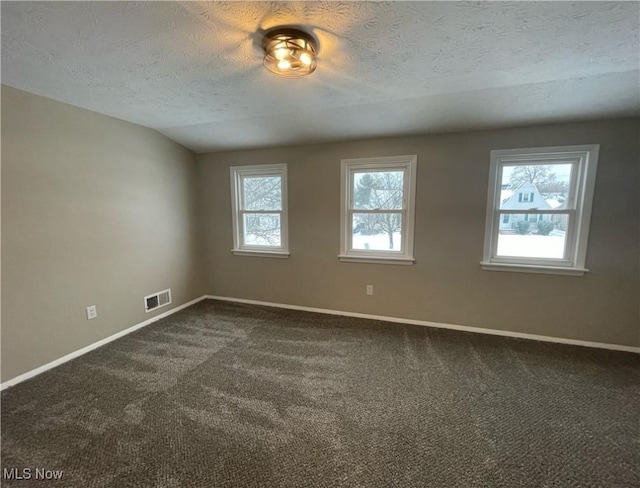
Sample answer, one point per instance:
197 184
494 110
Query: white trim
95 345
375 260
261 254
239 172
584 159
524 268
408 164
464 328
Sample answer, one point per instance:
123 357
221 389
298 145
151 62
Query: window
539 209
525 197
259 210
377 210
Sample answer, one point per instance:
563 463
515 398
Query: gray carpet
229 395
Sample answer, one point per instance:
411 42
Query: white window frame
238 173
407 164
578 207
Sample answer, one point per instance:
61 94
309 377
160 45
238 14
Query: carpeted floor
229 395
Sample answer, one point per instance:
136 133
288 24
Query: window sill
261 254
529 268
346 258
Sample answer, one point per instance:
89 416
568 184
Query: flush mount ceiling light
290 53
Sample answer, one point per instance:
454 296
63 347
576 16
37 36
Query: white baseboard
477 330
464 328
95 345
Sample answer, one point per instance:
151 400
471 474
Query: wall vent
157 300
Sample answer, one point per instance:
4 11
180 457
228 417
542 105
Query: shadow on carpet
231 395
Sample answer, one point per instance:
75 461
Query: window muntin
539 208
259 208
378 200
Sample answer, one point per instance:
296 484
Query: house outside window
539 209
259 210
377 209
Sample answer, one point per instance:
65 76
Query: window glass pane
262 229
532 235
538 186
377 231
378 190
262 193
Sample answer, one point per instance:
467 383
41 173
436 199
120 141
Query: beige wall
98 211
446 284
95 211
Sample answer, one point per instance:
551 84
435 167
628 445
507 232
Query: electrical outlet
369 289
92 312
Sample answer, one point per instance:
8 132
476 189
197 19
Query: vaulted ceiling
193 70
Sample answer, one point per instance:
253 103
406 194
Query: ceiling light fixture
290 53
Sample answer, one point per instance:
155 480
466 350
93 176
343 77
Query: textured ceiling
193 70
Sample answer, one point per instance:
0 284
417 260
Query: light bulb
305 58
281 53
284 65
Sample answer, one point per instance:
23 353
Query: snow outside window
259 210
377 210
539 208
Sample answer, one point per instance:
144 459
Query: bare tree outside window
536 174
534 189
544 177
259 210
378 191
261 195
378 205
538 209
